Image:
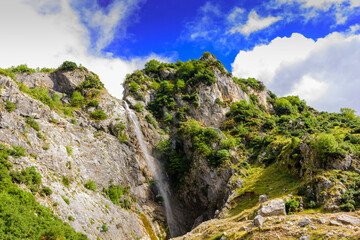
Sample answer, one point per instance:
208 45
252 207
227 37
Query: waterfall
158 173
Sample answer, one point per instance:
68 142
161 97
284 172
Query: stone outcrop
81 149
273 208
347 219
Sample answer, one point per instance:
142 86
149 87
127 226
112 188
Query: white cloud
324 72
43 35
254 23
107 22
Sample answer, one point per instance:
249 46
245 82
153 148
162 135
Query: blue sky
308 48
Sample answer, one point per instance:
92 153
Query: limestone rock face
81 149
273 208
259 221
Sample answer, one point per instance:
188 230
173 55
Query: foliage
32 123
283 107
91 82
65 181
46 191
77 99
251 82
67 66
23 68
90 185
93 103
22 217
9 106
292 206
151 120
104 228
98 115
115 192
138 107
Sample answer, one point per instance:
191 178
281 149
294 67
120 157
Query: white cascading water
158 173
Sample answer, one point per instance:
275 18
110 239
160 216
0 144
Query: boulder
335 223
304 222
305 238
263 198
273 208
258 221
346 219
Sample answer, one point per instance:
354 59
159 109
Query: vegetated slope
230 140
63 128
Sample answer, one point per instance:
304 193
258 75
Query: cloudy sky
309 48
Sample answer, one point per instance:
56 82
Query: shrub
134 87
93 103
67 66
283 107
152 66
104 228
77 99
91 82
23 68
9 106
32 123
90 185
46 191
17 152
115 192
218 101
218 157
67 201
98 115
71 218
65 181
138 107
69 150
292 206
151 120
29 176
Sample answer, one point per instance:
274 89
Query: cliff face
80 149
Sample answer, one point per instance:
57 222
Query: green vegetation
90 185
115 192
98 115
251 82
29 219
151 120
67 66
67 201
138 107
93 103
69 150
104 228
77 99
91 82
9 106
46 191
65 181
32 123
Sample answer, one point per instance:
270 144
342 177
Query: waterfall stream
158 173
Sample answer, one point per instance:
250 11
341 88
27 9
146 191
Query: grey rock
304 222
322 220
347 219
335 223
258 221
263 198
305 237
273 208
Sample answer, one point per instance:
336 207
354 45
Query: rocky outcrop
273 208
81 149
347 219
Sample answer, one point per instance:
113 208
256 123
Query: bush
152 66
283 107
91 82
23 68
71 218
98 115
134 87
115 192
46 191
138 107
67 66
90 185
93 103
292 206
151 120
218 157
65 181
32 123
17 152
9 106
77 99
28 176
67 201
104 228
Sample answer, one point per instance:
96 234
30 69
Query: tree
348 113
283 107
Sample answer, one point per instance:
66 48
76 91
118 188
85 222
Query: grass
148 227
269 181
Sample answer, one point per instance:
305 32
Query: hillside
225 148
